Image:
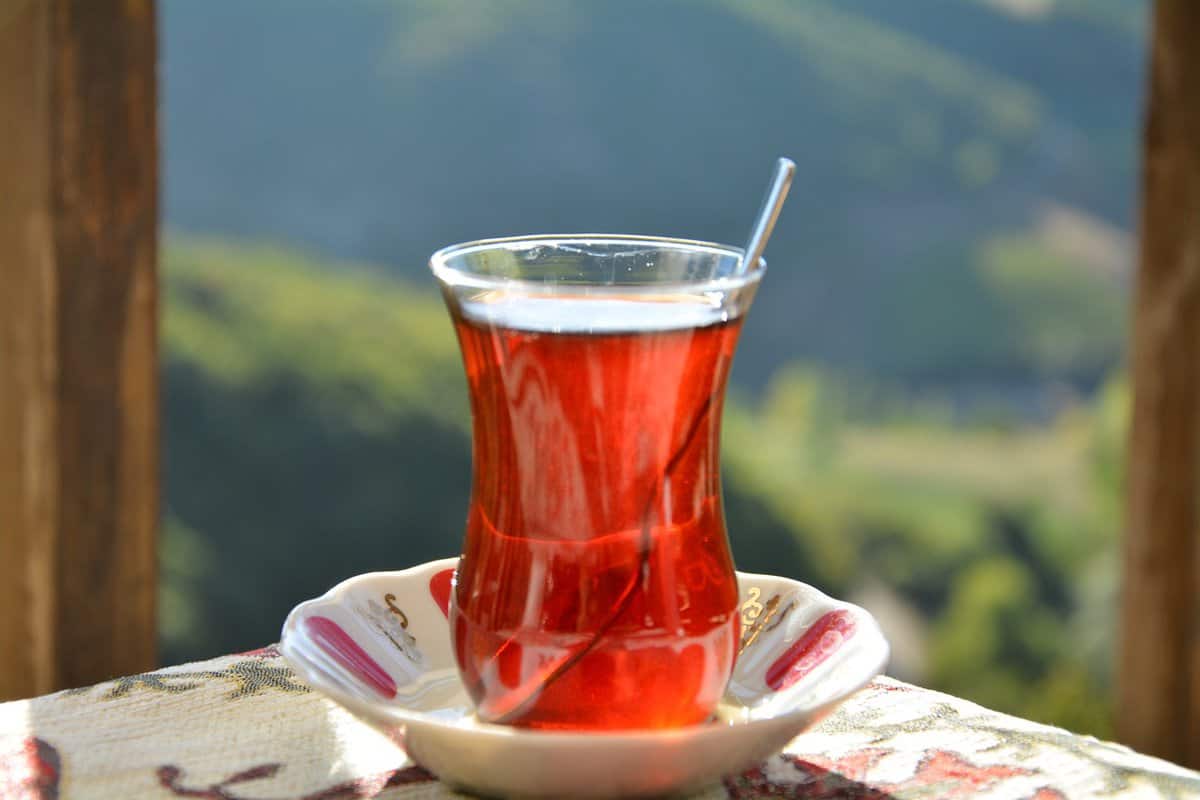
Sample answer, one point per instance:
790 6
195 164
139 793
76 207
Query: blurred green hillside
929 134
316 427
928 410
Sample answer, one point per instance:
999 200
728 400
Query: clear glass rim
439 264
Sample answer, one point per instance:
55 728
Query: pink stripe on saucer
349 653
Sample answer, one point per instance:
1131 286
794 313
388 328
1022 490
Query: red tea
596 589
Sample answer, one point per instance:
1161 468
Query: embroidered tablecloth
242 727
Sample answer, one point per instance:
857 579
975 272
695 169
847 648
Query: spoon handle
764 223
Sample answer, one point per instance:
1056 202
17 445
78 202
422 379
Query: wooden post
1159 664
78 342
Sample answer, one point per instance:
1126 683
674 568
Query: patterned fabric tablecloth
241 727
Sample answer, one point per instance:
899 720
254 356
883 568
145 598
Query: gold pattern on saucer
390 599
755 616
751 608
392 623
759 618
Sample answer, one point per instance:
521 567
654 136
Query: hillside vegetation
316 427
928 133
928 408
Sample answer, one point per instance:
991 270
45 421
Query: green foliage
439 31
880 65
1109 431
246 315
186 563
1128 16
315 428
892 427
918 127
1007 306
1000 539
1060 317
1000 644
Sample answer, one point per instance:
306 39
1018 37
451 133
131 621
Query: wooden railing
78 339
1159 655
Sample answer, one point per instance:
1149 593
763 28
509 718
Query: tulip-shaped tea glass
596 587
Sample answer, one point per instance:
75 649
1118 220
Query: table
242 727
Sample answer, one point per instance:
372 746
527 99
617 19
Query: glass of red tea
596 589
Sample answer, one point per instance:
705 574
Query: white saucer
379 645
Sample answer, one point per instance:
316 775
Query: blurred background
928 406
